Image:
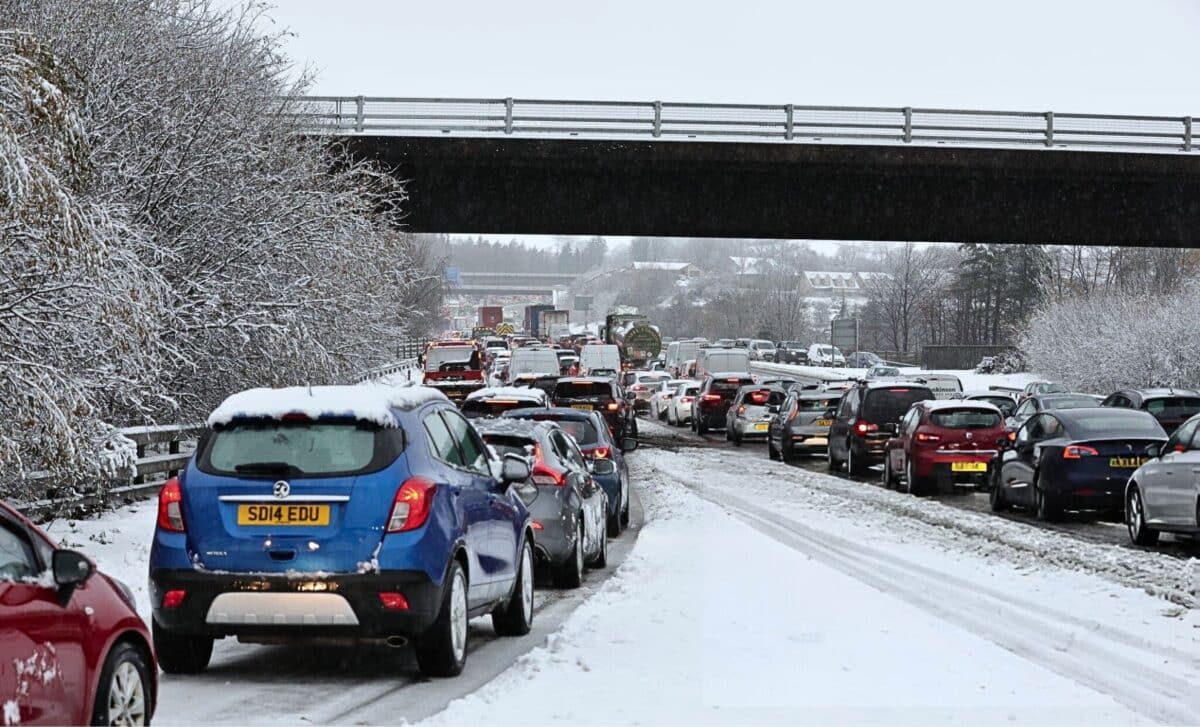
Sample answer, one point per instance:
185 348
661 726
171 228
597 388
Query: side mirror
1154 450
602 467
71 569
628 444
515 469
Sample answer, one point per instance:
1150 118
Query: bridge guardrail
750 122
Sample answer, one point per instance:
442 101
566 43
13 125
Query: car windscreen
818 404
451 358
583 390
887 405
792 345
1069 402
1173 407
581 430
1105 422
300 448
965 419
508 444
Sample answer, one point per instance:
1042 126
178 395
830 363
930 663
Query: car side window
474 452
1036 429
17 559
1025 410
1051 427
911 420
849 405
571 452
1182 438
440 440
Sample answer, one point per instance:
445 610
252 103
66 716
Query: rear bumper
746 429
359 591
1088 491
806 442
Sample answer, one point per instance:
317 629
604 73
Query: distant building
673 270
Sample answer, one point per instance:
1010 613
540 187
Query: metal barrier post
907 124
657 118
1049 128
358 113
1187 133
508 121
787 132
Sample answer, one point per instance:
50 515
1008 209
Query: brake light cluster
544 474
601 453
926 437
613 406
412 504
170 507
686 399
711 397
864 427
1079 451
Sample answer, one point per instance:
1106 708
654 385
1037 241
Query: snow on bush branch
168 236
1114 340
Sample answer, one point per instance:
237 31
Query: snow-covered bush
1106 342
1007 362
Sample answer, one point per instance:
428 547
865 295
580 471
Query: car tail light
794 413
543 474
411 507
637 387
863 427
170 506
741 409
537 525
393 601
685 399
711 397
1012 436
601 453
613 406
174 598
924 437
1079 451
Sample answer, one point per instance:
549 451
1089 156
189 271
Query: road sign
454 277
504 329
583 302
843 334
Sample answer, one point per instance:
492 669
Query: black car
866 419
1074 459
1171 407
598 393
791 352
715 397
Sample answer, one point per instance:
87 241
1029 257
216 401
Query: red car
944 443
72 647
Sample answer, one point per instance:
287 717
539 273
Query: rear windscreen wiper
274 469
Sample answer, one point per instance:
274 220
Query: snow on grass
709 621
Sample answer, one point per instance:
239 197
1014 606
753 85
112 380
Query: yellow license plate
273 514
1127 462
968 466
585 407
761 427
823 423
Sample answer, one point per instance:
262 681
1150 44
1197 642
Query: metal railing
752 122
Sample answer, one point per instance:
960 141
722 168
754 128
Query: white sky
1098 56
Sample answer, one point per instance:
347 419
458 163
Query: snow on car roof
510 427
508 392
937 404
364 402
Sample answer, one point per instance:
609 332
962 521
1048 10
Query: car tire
600 560
854 465
671 421
625 514
735 438
633 427
442 650
515 618
772 453
889 481
124 694
181 653
996 500
700 428
915 485
1049 508
569 574
835 464
1135 519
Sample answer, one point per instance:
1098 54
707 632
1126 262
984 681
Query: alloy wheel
458 616
126 696
527 583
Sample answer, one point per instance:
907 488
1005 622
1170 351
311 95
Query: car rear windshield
728 387
1173 407
965 419
507 444
583 431
301 448
763 397
1069 402
819 404
583 390
451 358
652 378
887 405
1104 422
483 408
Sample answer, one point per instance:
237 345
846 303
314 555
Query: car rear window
483 408
451 358
1069 402
1106 422
582 431
507 444
887 405
301 448
1173 407
728 388
763 397
965 419
819 404
583 390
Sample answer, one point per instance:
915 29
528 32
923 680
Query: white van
531 363
596 356
721 360
678 353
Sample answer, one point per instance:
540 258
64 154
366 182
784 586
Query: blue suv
352 514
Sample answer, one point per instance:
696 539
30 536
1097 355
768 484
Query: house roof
669 266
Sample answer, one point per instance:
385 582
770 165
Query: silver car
802 426
1163 495
750 414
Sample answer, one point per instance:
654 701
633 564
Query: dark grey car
568 507
802 425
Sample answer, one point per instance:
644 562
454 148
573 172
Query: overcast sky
1134 56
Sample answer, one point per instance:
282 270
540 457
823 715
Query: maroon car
72 647
944 443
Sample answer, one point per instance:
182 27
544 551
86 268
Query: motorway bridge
505 166
511 283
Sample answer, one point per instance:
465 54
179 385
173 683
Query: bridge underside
793 191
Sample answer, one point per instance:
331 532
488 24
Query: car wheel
671 417
1135 519
600 560
855 465
124 694
772 453
633 427
181 653
1049 509
834 463
442 650
515 618
912 483
889 481
700 428
570 573
735 438
996 493
624 516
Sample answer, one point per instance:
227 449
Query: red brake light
864 427
685 399
393 601
543 474
711 397
411 507
741 409
174 598
1079 451
923 437
170 506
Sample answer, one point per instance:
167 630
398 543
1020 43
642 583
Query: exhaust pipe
396 642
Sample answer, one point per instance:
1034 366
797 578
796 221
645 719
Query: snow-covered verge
718 618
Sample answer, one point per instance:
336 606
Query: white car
822 354
679 408
661 398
